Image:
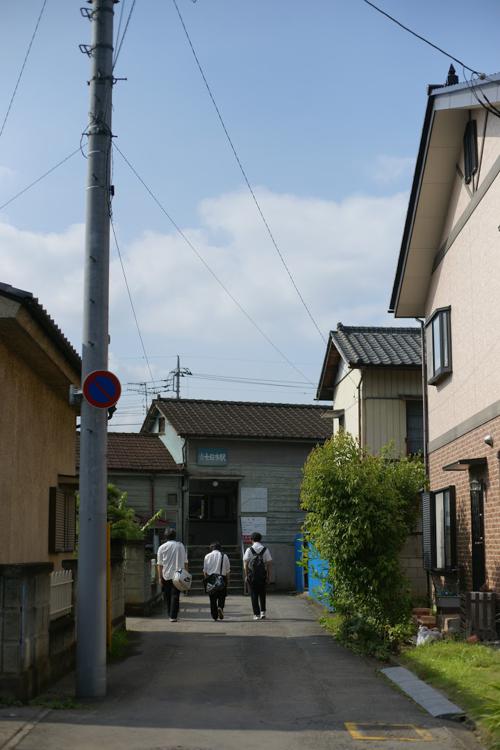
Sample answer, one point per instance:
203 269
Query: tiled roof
43 318
136 451
243 419
378 346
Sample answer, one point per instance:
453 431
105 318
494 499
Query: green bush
124 524
360 510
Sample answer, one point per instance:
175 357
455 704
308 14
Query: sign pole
91 603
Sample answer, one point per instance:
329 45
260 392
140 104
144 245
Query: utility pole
177 374
91 605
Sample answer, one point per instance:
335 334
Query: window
439 529
414 427
172 498
438 344
62 520
161 425
470 151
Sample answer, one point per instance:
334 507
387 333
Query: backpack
257 571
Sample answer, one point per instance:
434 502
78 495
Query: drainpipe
425 406
152 480
360 410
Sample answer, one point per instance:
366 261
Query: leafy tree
360 510
124 524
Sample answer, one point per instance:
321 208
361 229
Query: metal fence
61 593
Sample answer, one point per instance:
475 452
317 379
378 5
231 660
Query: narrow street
279 684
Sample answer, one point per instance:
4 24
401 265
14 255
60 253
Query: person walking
257 562
171 556
216 564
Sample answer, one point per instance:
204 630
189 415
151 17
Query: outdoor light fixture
215 483
488 439
475 485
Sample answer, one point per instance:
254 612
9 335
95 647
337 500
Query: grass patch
56 704
469 674
120 645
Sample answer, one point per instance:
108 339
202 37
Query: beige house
37 502
37 433
449 273
373 376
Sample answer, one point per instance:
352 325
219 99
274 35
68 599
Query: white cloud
391 169
342 256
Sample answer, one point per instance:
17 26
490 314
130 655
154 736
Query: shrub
360 510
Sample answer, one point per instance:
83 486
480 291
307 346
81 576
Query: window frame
442 317
445 535
62 520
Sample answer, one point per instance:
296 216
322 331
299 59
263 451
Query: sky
324 101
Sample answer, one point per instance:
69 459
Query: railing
61 593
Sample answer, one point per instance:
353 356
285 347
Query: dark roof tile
244 419
136 451
378 346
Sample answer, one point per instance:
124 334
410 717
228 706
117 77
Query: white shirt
211 563
172 556
258 547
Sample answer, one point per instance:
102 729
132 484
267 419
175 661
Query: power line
130 294
22 67
120 44
245 176
209 269
39 179
419 36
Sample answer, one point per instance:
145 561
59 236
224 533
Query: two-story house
448 274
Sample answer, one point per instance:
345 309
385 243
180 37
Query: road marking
379 731
24 730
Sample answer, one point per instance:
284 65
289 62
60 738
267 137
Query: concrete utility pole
91 606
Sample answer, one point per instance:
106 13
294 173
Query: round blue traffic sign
102 388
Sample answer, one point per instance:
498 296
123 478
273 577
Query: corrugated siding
277 467
138 489
384 406
385 421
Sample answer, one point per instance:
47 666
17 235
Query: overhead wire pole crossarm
209 269
245 176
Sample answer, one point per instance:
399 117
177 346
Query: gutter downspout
425 420
360 410
152 480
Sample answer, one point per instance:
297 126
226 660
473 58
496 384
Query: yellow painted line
358 733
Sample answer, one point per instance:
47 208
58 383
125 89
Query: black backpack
257 571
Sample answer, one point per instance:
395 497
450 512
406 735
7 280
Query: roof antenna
452 78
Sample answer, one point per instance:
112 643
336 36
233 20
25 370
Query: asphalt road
278 684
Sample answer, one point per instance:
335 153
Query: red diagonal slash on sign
104 382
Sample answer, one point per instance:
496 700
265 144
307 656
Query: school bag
216 582
257 571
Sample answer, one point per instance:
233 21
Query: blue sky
324 101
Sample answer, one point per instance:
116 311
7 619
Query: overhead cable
209 269
245 176
39 179
22 67
130 296
120 43
419 36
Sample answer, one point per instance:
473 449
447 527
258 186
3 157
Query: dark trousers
171 596
217 600
258 597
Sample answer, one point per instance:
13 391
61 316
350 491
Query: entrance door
477 531
212 512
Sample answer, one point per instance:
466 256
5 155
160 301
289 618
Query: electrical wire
39 179
419 36
120 44
209 269
22 68
245 176
122 11
130 294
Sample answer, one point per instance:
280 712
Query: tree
124 524
360 510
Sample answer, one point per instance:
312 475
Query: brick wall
472 445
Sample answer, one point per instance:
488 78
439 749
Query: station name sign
211 457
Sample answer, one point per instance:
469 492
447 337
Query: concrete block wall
117 584
141 592
24 629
